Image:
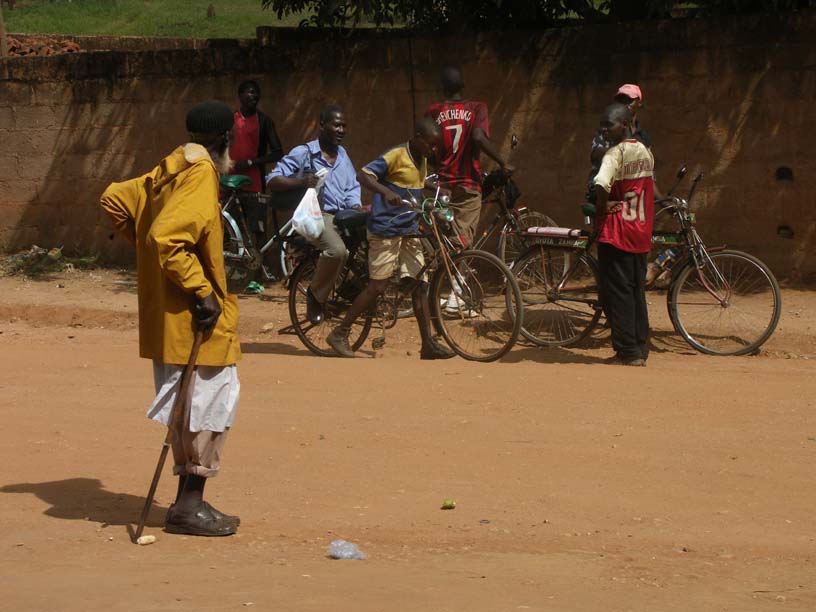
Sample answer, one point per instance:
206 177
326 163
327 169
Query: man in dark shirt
255 145
256 141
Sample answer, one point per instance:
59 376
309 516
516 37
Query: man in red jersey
466 133
255 145
625 216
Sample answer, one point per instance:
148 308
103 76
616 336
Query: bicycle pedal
377 343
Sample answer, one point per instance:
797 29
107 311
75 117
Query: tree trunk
3 40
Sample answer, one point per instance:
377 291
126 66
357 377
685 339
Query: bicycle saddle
554 232
235 181
350 218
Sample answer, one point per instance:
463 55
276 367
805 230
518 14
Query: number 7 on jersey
457 136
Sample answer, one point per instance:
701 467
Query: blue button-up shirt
341 189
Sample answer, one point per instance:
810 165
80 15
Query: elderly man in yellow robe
172 216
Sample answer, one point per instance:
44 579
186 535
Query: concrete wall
731 97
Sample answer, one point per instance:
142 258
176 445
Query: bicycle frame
696 251
502 219
245 241
441 246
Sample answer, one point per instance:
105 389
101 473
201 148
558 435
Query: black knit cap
211 117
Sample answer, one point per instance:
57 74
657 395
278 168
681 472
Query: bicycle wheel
559 291
236 273
729 307
291 250
314 336
512 245
482 314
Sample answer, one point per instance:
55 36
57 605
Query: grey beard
223 163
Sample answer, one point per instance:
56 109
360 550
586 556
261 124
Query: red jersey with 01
458 156
627 175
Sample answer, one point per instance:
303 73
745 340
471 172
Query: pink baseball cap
630 91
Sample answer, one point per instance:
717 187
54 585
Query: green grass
175 18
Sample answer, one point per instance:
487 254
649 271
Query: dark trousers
623 295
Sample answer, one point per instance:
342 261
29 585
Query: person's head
616 122
249 93
427 136
332 125
452 81
210 125
630 95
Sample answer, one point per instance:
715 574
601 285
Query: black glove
207 311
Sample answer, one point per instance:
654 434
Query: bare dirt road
580 486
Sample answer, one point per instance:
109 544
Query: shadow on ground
273 348
85 499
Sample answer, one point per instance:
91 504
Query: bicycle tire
288 252
553 316
511 246
236 274
314 336
478 326
741 325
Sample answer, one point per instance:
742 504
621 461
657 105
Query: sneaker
454 302
338 340
254 288
461 311
405 313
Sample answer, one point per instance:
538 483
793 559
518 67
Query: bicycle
499 188
721 301
483 324
242 257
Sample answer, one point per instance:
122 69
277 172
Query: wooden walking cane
176 422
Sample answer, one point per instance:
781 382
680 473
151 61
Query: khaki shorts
467 206
385 255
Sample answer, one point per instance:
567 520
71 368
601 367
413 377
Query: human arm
369 180
603 205
270 149
207 310
603 182
189 212
120 201
289 173
351 186
481 137
486 145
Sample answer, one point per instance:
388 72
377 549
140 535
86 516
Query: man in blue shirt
397 175
339 191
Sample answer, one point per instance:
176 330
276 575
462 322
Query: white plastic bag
307 219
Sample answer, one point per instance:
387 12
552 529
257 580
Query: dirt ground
580 486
